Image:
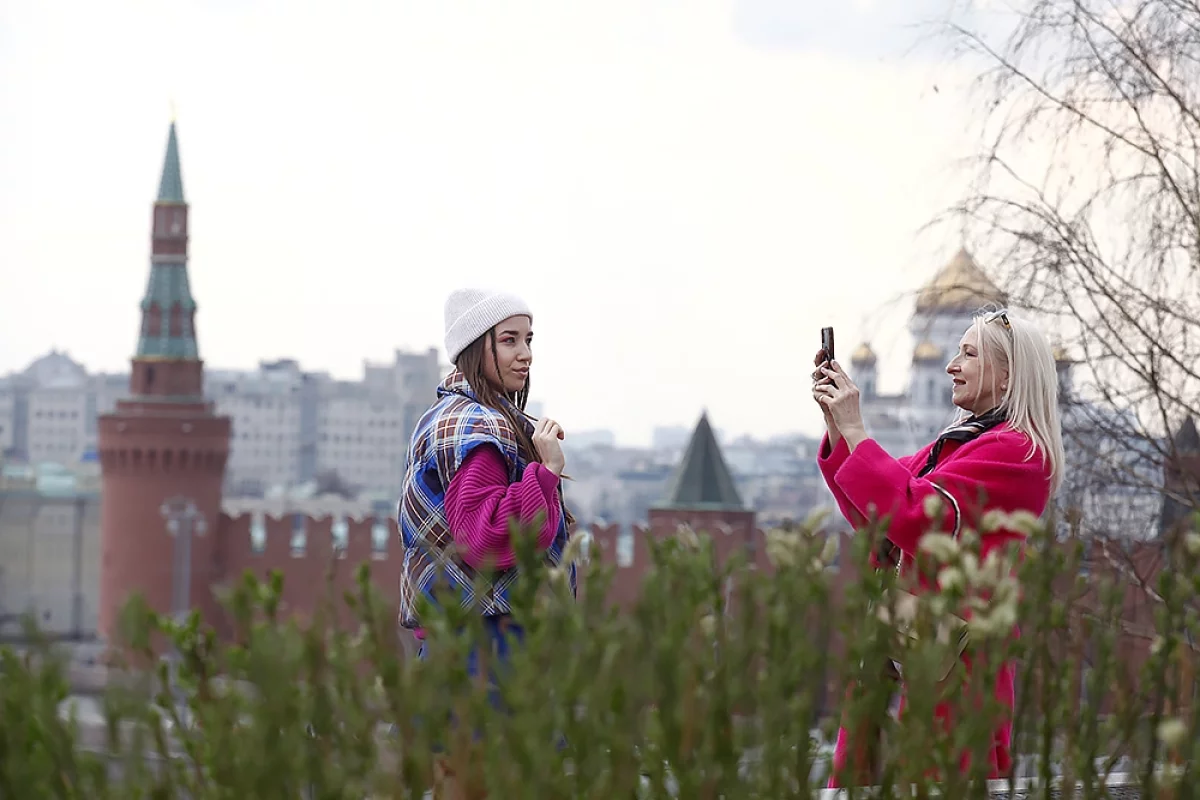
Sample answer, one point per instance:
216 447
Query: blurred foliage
719 682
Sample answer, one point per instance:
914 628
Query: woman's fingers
838 377
552 428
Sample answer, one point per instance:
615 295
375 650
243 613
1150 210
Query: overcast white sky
685 190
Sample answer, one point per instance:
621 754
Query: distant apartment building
290 427
48 410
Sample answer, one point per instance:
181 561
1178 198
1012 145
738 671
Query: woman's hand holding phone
822 360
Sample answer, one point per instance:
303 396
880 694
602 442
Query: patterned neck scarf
456 383
962 432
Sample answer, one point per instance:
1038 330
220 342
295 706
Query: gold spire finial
173 113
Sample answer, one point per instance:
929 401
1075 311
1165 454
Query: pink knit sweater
480 502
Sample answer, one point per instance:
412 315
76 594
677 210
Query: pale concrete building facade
49 551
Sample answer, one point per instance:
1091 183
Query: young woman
1006 449
477 462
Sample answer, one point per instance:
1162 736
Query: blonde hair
1030 401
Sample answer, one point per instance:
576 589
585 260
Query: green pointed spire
170 188
168 309
703 480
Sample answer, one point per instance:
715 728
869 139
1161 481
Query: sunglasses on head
1001 315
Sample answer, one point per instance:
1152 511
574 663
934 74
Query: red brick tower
163 451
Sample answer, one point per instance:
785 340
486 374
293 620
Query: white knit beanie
470 313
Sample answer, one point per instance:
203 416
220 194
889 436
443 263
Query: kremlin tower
163 450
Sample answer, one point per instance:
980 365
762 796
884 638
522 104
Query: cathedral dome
863 354
1061 356
959 287
928 351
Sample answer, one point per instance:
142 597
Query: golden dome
863 354
960 286
927 351
1061 356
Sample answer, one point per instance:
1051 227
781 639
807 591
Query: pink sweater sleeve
480 502
830 460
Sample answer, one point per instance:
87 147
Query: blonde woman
1005 453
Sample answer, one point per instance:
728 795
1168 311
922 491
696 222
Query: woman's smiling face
978 385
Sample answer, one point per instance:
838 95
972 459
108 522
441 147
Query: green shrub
714 685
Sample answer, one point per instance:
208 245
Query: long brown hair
470 364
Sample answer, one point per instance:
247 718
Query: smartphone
827 343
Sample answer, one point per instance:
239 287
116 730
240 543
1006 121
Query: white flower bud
933 506
573 552
816 519
982 626
992 571
994 520
830 550
1192 543
1004 617
939 545
970 565
687 537
1172 732
1024 522
968 539
782 547
950 578
1007 590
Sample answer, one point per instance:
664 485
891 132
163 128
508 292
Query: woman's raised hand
819 361
547 438
839 395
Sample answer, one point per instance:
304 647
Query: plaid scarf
446 434
962 431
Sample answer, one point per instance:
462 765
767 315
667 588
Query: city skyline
60 370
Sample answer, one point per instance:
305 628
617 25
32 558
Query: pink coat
991 472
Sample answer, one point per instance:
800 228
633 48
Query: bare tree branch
1087 191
